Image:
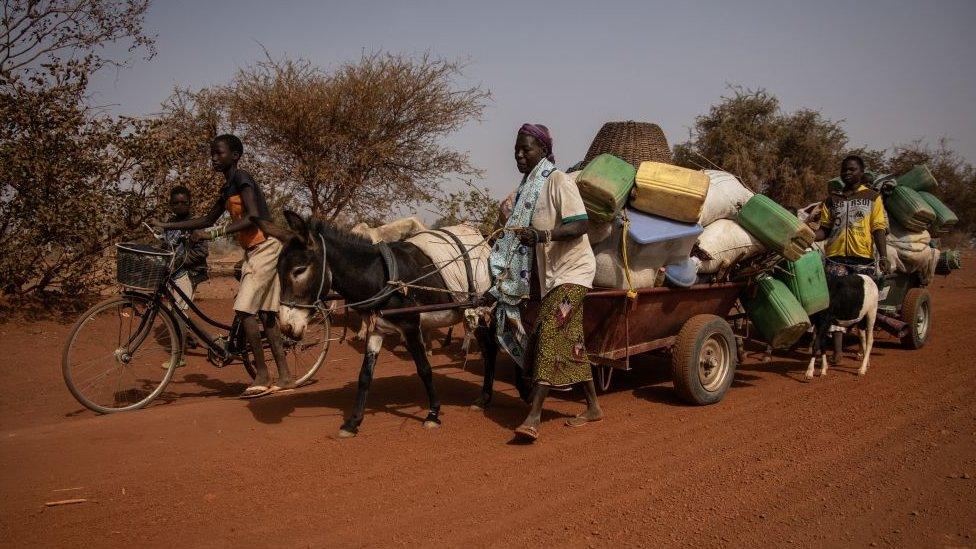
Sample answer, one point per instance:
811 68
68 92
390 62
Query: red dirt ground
887 460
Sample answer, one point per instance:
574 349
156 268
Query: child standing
258 296
191 257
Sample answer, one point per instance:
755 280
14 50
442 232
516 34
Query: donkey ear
296 222
270 229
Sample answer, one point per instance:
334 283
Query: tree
472 207
187 124
74 180
37 32
363 140
790 157
736 135
786 156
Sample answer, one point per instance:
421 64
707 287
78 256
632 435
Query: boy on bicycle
191 257
259 293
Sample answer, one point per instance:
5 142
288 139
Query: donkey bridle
318 304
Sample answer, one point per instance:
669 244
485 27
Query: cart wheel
916 310
703 359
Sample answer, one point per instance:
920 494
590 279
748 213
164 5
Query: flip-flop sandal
274 389
580 421
530 434
255 391
305 383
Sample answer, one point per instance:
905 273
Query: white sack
727 243
597 232
726 195
444 253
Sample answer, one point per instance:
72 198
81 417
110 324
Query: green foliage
472 207
74 182
786 156
791 156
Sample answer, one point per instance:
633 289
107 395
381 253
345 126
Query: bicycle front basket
142 267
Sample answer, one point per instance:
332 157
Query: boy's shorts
260 289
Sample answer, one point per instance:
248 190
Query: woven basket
142 267
634 142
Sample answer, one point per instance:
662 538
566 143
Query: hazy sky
892 71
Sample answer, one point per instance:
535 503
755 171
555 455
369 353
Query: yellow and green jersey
849 221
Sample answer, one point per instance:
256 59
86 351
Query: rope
631 292
413 282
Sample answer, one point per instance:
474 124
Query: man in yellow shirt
854 223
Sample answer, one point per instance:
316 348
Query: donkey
318 256
394 231
853 301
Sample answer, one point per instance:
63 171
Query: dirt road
887 460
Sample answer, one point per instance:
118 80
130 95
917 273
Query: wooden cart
909 301
691 323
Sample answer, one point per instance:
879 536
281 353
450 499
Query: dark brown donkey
318 257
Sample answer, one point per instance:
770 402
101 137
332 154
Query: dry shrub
786 156
361 141
790 157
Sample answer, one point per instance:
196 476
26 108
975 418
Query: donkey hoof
346 434
808 375
767 358
861 372
481 403
432 421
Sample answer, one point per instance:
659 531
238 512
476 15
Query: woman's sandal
275 389
527 433
580 421
255 391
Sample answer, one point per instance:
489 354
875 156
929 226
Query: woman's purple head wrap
541 133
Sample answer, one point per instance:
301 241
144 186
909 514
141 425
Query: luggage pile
916 217
645 223
653 223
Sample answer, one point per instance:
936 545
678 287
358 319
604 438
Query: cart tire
916 310
704 359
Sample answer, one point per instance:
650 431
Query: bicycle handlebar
157 236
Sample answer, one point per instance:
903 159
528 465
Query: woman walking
547 225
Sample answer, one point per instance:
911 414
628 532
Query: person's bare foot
589 416
286 383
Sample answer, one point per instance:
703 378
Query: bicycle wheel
120 354
307 355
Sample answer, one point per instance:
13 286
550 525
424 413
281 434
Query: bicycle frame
170 291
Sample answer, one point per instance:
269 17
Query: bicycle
136 339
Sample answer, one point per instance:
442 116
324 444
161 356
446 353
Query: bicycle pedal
222 358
